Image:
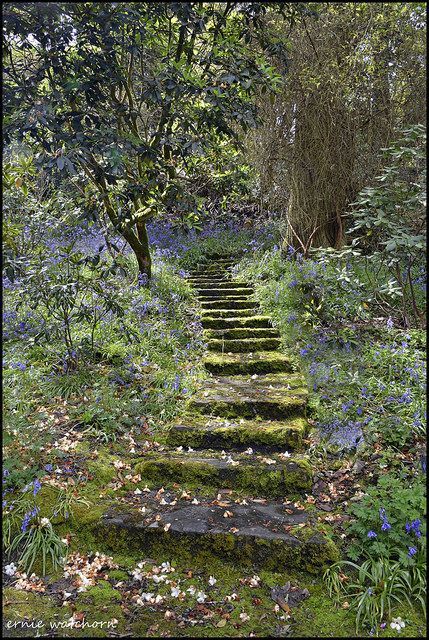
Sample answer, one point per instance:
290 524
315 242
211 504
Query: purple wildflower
36 486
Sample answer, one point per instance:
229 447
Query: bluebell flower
36 486
176 383
372 534
411 551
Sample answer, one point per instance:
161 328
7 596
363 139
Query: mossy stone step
247 363
209 282
210 322
220 260
222 256
271 397
251 473
266 535
200 432
227 313
229 304
222 292
226 297
245 332
210 270
244 345
221 285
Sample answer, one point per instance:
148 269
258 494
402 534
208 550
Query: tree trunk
139 243
320 179
143 253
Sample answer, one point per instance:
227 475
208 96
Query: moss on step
251 407
244 345
229 304
222 293
210 322
241 364
123 531
220 285
227 313
192 432
243 333
255 477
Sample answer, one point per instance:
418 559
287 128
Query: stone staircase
243 433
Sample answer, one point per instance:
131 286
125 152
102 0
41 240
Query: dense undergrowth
367 378
133 356
91 350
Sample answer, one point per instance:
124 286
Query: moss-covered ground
238 604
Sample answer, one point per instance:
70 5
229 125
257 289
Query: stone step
229 304
209 282
201 432
210 322
212 269
225 292
264 535
258 475
226 297
227 313
223 256
221 285
219 263
273 397
219 260
247 363
245 332
244 345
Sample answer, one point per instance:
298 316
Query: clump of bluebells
387 522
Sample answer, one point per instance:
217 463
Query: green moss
229 323
31 611
224 294
312 554
177 471
252 433
229 304
318 617
245 333
244 346
273 409
118 574
242 364
227 313
103 593
252 476
101 470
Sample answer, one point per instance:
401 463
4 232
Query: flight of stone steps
243 431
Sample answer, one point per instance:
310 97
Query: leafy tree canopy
126 98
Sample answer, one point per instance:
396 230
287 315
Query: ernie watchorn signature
72 623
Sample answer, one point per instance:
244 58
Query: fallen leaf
221 623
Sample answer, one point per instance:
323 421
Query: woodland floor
222 527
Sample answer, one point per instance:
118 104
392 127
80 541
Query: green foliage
375 587
397 500
39 541
391 216
68 291
67 500
182 81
